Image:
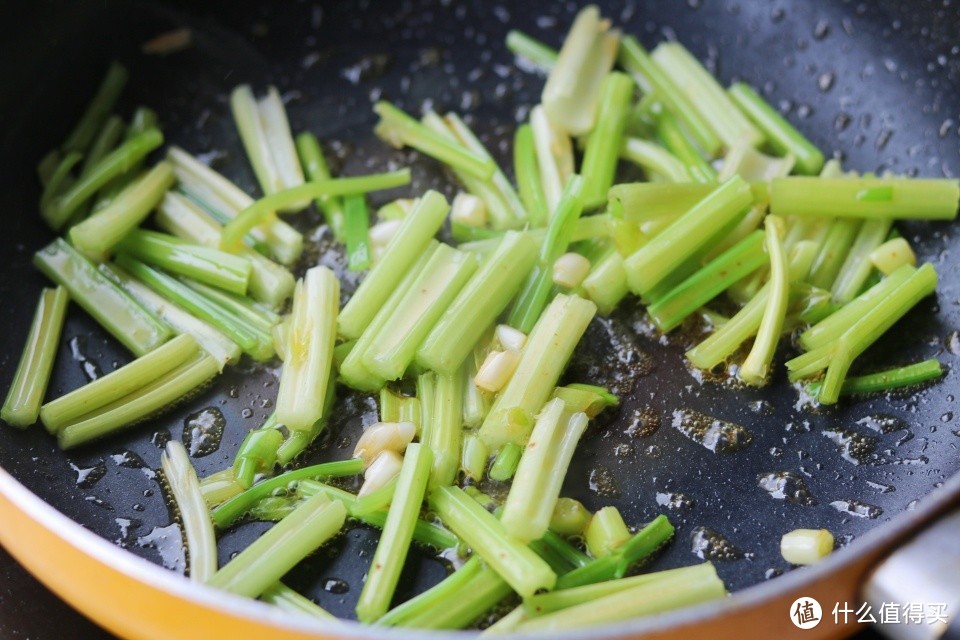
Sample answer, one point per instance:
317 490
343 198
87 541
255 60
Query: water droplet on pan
712 433
202 431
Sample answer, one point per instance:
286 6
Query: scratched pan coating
876 83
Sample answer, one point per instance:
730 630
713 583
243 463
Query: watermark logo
805 613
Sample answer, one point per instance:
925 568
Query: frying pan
876 83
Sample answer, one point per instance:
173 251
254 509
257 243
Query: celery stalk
197 529
605 141
899 198
315 166
531 49
527 171
654 159
97 110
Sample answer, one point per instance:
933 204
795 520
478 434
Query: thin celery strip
654 159
107 138
898 198
446 432
757 364
890 379
529 48
638 202
315 166
83 133
289 600
833 251
184 486
606 284
527 171
672 137
585 398
242 307
554 153
858 266
505 463
426 397
135 327
257 454
297 441
356 231
607 138
58 182
22 405
474 457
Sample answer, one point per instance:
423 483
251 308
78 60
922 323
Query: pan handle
921 578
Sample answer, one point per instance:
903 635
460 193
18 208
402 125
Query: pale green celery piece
279 139
532 50
833 251
219 487
400 129
780 134
844 197
426 398
516 563
184 487
654 81
673 137
315 166
106 139
812 229
892 254
117 384
270 283
571 93
220 347
544 357
654 262
135 327
176 256
22 405
606 139
706 95
654 159
389 405
97 110
48 166
546 458
593 227
474 457
446 430
605 532
569 518
416 232
638 202
478 304
905 376
527 171
476 403
554 153
744 160
585 398
156 396
384 572
757 364
747 225
285 242
308 364
429 296
242 307
505 463
296 442
289 600
56 183
269 557
858 266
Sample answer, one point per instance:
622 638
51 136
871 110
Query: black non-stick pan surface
875 83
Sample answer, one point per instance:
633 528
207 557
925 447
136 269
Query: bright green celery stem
735 263
156 396
400 129
106 139
297 441
418 311
474 457
22 405
308 365
390 405
58 182
605 141
213 190
423 532
527 171
517 564
606 283
384 572
184 486
858 266
446 432
142 120
179 257
228 512
241 306
655 261
356 231
898 198
757 364
476 403
257 454
478 304
270 283
655 159
278 550
872 326
833 251
97 110
676 142
251 126
222 348
638 202
374 501
315 166
781 135
506 461
559 545
531 49
635 59
126 320
263 210
252 339
279 139
554 152
535 294
289 600
84 400
455 602
413 236
545 355
546 458
426 397
706 95
113 164
890 379
587 398
837 323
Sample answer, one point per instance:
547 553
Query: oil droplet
603 483
89 476
130 460
643 423
707 544
100 503
675 501
882 423
857 508
770 574
336 585
761 407
90 368
825 81
168 543
953 343
882 488
716 435
367 68
854 447
786 485
160 438
246 413
821 30
125 525
946 417
202 432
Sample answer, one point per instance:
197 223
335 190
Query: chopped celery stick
572 90
356 230
806 546
605 141
269 557
418 228
529 48
315 166
757 364
135 327
184 486
474 457
308 363
203 264
781 135
219 487
905 376
290 601
586 398
156 396
899 198
297 441
527 171
546 457
833 251
654 159
643 201
97 110
257 454
22 405
544 357
446 430
570 517
241 306
107 138
891 255
606 284
517 564
605 532
384 573
58 182
675 140
857 267
426 396
554 153
505 463
744 160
